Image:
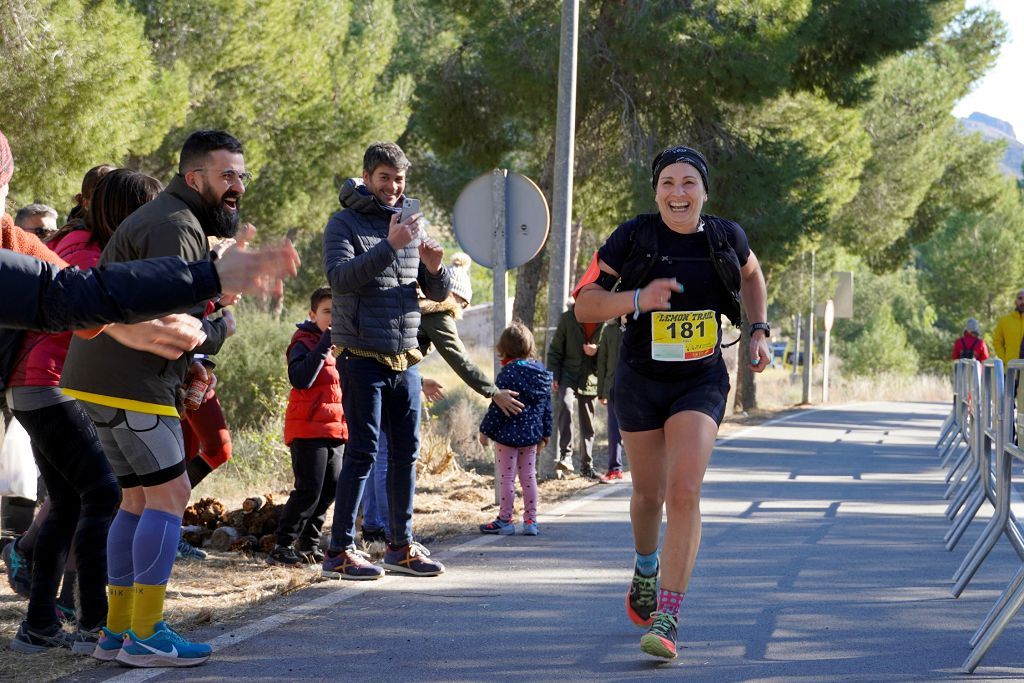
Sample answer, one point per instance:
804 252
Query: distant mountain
992 128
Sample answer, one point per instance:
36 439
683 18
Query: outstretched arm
53 300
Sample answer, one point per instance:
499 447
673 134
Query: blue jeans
372 394
375 493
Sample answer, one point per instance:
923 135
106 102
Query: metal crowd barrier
983 386
964 478
979 438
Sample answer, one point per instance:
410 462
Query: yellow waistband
122 403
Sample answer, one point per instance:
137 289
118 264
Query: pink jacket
40 358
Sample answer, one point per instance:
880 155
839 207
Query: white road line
348 590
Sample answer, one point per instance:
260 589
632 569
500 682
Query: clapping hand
431 254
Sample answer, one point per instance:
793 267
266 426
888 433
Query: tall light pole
565 140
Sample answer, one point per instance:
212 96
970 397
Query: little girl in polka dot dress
517 438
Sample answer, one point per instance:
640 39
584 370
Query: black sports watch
761 326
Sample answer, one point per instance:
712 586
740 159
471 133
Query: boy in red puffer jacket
315 430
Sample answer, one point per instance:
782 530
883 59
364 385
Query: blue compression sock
647 565
120 539
156 541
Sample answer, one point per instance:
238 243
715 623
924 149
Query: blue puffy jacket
374 305
533 382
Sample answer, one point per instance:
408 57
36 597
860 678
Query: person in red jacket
83 492
315 431
970 345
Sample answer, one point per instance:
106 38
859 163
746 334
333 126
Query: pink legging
523 459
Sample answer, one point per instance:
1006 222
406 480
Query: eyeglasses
43 233
231 176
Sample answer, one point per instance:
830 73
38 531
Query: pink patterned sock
670 602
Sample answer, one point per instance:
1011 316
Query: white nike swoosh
173 652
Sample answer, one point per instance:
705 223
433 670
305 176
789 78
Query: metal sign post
517 212
828 318
498 252
809 354
499 316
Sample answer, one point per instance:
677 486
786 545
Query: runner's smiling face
680 195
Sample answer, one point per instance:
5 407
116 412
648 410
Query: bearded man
134 399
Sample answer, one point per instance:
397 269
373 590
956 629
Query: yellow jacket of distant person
1008 335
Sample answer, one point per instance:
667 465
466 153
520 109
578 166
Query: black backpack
643 254
968 353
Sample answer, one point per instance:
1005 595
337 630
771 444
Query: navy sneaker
502 527
19 569
286 556
351 565
642 599
108 645
412 559
660 639
84 641
29 641
310 552
187 551
164 648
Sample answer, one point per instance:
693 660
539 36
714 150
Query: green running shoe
642 599
660 639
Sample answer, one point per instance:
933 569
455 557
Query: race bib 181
683 335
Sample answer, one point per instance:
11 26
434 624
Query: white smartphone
409 207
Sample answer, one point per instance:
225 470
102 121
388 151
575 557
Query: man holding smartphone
374 257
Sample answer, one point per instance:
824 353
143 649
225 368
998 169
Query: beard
226 222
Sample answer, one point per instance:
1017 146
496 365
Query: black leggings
83 496
316 464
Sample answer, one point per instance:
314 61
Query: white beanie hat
462 286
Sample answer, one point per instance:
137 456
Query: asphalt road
822 560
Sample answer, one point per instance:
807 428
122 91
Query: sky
1001 93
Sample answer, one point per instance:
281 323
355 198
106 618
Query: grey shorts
143 449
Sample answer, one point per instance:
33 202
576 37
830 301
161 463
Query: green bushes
252 371
881 346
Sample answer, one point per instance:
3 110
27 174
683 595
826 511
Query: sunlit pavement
822 560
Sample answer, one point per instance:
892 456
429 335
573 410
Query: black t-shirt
686 258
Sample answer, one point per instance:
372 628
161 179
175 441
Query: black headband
675 155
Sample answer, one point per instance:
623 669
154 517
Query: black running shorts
642 403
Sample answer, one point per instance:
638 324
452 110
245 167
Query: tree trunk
528 288
746 387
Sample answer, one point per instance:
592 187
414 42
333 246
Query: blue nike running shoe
164 648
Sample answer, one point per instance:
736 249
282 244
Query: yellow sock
148 609
119 608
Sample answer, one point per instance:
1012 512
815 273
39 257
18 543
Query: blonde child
517 438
